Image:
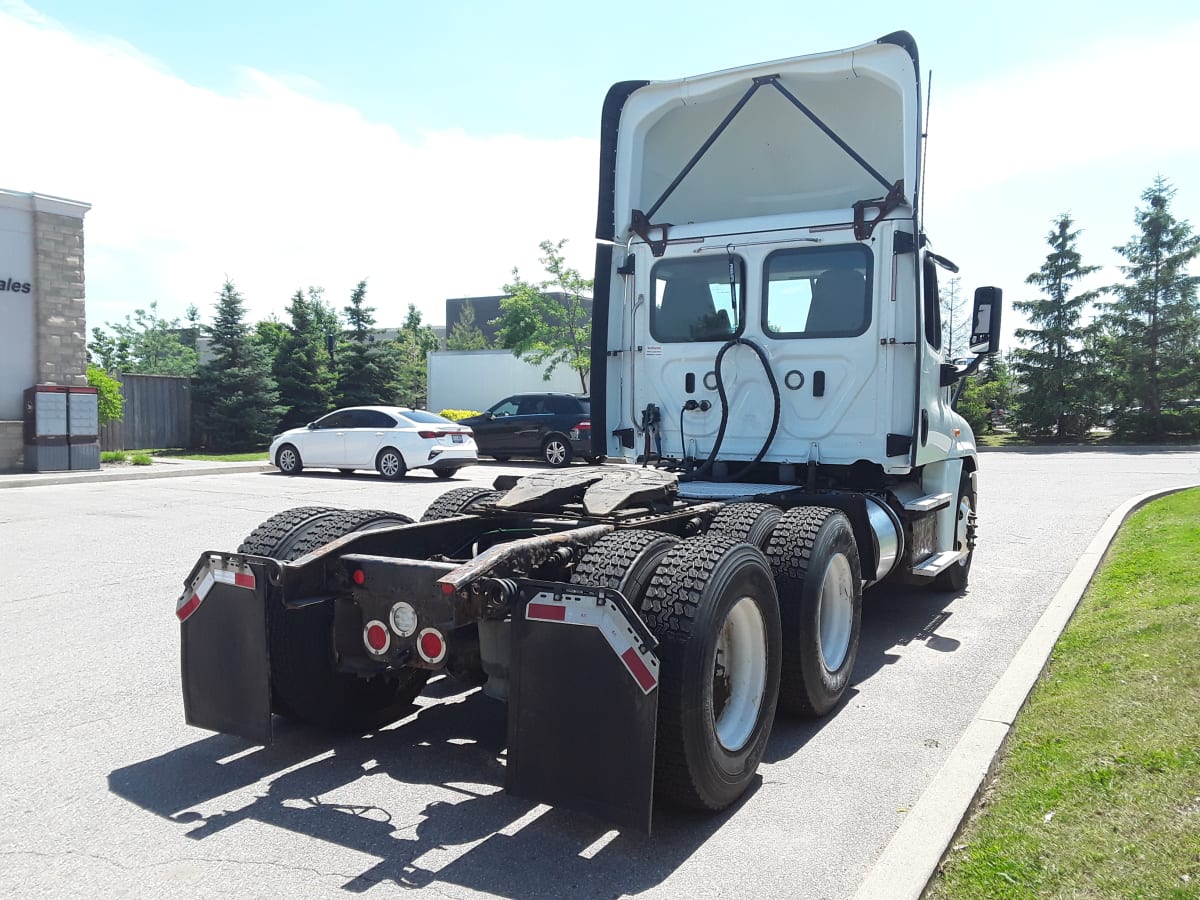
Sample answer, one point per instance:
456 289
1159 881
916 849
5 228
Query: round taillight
404 619
376 636
431 645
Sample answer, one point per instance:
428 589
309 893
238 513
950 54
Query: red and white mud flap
223 645
583 703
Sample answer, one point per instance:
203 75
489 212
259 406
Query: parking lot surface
106 792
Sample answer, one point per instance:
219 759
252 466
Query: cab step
929 503
938 563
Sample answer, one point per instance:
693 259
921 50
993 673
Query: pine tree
1154 322
1051 367
366 368
237 404
956 324
302 364
465 334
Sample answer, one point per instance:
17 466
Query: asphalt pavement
106 792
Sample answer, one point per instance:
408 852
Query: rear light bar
434 435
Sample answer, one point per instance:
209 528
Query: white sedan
389 439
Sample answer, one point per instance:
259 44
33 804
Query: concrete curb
912 856
166 471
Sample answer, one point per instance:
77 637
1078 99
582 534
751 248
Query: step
929 502
938 563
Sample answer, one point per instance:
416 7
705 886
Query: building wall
42 323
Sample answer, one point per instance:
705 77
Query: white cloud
272 187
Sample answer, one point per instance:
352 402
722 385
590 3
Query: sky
429 148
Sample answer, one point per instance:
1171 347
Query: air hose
705 469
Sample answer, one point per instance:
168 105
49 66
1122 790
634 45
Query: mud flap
223 649
583 703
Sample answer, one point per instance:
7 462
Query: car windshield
425 418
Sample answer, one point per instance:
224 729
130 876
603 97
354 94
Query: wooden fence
157 414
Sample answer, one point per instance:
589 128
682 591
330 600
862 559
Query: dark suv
555 427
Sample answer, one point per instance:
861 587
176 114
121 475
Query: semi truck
770 387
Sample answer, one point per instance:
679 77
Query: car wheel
556 451
595 460
444 473
288 460
346 471
390 464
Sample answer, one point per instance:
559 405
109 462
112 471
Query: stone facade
62 331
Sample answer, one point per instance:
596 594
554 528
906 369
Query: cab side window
504 408
933 306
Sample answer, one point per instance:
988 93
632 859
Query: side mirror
985 321
311 425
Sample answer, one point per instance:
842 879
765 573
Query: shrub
114 456
141 459
455 415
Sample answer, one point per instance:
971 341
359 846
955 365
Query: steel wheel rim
287 460
555 453
836 614
739 674
960 526
389 464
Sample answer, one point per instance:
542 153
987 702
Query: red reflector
546 611
447 587
243 579
188 608
638 669
432 645
377 637
358 576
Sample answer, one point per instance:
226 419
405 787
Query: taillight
430 435
377 638
585 425
431 645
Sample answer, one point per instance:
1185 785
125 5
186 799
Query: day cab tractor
768 371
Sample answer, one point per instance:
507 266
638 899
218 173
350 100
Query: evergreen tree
411 349
366 369
549 323
465 334
302 368
1051 368
237 404
1154 322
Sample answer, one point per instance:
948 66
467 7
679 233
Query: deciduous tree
549 322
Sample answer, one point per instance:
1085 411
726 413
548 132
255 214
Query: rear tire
624 561
390 464
817 572
749 522
713 607
458 501
305 683
444 474
956 577
556 451
288 460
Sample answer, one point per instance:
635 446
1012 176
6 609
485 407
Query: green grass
257 456
141 459
1097 793
114 456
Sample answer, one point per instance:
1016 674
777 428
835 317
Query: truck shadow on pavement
472 833
425 798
